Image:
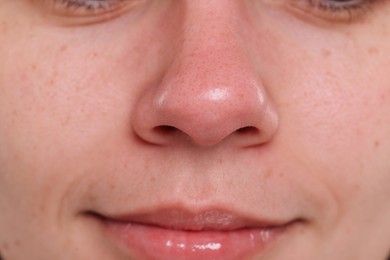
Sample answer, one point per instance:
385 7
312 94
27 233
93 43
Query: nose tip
206 112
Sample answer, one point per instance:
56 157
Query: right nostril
165 129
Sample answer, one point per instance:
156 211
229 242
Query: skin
84 105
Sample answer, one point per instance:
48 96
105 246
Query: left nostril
248 130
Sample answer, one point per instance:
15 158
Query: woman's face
208 129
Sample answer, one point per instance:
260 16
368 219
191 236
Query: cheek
42 115
342 123
334 103
59 105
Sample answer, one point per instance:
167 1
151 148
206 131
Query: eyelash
334 9
87 4
342 10
87 7
338 5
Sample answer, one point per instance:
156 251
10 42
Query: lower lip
150 242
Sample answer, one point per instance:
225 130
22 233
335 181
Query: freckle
326 53
385 30
66 121
356 187
17 243
5 246
34 66
4 26
268 174
373 50
377 144
63 48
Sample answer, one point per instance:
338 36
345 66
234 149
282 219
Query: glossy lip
174 233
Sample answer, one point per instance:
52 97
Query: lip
182 234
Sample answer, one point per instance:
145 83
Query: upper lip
204 220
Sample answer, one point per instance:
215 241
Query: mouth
181 234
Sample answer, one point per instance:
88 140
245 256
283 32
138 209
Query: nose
211 91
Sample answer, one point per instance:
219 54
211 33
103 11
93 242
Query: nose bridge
210 61
211 21
211 67
211 35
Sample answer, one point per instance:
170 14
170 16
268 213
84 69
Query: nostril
248 130
165 129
